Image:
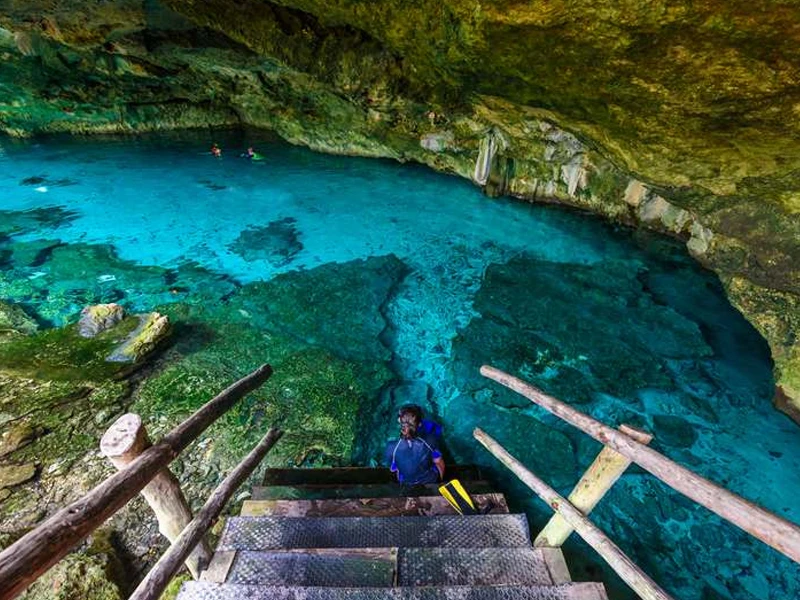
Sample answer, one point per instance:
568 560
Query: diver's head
409 418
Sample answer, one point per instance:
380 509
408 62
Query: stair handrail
622 564
773 530
157 580
35 552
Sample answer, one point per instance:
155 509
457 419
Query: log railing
30 556
773 530
631 574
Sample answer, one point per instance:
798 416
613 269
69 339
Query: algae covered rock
14 320
100 317
152 330
11 475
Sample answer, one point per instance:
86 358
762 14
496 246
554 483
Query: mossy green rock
11 475
152 330
14 320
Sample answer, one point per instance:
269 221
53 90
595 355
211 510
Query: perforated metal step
471 566
195 590
377 567
329 568
268 533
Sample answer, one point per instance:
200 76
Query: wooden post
35 552
125 441
603 473
782 535
156 581
631 574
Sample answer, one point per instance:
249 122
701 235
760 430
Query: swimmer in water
216 150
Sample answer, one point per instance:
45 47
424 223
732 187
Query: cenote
369 284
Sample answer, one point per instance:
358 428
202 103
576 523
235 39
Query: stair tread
378 507
352 475
382 490
264 533
349 567
197 590
345 567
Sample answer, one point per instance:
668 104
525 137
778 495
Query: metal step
414 567
197 590
367 507
377 490
346 567
268 533
471 566
354 475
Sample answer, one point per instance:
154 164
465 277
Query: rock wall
680 116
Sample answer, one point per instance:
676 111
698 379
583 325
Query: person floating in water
216 150
251 154
416 457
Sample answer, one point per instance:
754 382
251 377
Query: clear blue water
623 323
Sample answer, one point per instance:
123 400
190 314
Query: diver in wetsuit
416 457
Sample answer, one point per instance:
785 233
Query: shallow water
622 324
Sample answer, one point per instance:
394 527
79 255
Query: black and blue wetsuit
412 459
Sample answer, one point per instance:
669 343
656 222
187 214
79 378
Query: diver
416 457
216 150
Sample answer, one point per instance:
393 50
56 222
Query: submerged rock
100 317
277 243
14 320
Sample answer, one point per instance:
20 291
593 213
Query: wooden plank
125 441
30 556
556 565
780 534
366 507
353 475
156 581
646 588
603 473
219 567
388 490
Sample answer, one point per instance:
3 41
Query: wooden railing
780 534
30 556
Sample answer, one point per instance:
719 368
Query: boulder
152 330
98 318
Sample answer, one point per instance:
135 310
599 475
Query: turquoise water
622 324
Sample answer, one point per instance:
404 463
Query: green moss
63 355
171 593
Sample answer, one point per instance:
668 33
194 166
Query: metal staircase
353 534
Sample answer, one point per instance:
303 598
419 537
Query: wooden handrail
632 575
780 534
164 570
30 556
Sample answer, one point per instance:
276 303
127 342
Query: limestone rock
11 475
15 437
100 317
152 330
14 319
